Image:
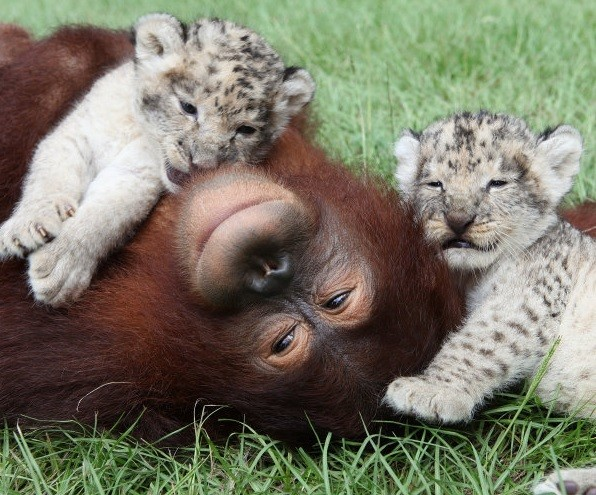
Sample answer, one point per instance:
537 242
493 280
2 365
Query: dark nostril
269 276
459 223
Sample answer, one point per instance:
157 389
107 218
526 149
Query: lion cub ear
156 36
557 160
407 152
297 90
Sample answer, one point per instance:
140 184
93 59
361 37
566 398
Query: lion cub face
213 92
484 185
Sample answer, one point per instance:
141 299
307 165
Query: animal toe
415 396
72 288
65 206
429 401
13 241
41 264
5 252
574 481
58 281
28 231
454 407
399 395
44 282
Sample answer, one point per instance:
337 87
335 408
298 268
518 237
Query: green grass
380 66
504 452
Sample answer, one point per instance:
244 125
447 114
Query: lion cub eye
435 183
337 301
188 108
496 183
246 130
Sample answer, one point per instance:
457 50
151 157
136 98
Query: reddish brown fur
583 217
14 40
36 89
139 342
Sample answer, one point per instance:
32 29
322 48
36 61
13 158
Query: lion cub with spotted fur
193 97
487 190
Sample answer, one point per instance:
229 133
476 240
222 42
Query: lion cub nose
459 222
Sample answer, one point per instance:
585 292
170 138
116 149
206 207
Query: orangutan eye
337 301
285 342
246 130
496 183
435 183
188 108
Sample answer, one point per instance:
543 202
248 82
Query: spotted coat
487 189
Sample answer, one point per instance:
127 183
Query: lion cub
487 190
193 97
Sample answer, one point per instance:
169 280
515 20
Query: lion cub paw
33 224
574 482
429 401
59 272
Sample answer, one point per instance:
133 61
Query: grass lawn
380 66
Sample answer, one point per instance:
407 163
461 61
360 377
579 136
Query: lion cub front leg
117 200
485 355
51 194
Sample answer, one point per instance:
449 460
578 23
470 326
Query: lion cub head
213 92
484 185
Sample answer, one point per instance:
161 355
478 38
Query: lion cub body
193 98
487 190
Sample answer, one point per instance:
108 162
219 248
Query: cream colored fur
194 98
583 479
487 190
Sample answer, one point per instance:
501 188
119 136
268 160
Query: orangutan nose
459 222
270 275
253 253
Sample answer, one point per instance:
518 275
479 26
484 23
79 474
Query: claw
70 211
42 232
22 250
